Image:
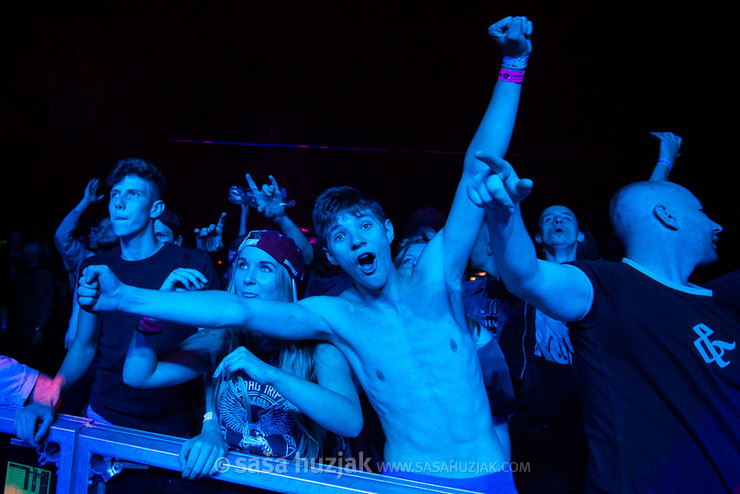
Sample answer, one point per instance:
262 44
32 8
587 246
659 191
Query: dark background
87 84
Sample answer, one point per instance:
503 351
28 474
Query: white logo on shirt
711 351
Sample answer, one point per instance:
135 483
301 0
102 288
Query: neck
138 247
666 263
561 254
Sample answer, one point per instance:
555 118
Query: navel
453 345
380 375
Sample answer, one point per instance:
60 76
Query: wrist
666 162
515 63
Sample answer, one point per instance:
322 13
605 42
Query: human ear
538 238
329 256
389 231
157 209
664 216
178 240
580 237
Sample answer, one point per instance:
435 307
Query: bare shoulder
329 356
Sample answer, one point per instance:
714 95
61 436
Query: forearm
662 170
290 229
78 360
497 125
205 309
513 251
143 368
329 409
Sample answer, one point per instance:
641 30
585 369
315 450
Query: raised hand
210 238
99 289
670 144
243 360
270 201
181 279
499 188
512 35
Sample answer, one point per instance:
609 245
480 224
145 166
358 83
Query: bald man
658 355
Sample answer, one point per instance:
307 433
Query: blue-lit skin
133 206
558 234
361 246
256 274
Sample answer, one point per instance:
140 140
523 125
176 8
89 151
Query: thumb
44 428
524 187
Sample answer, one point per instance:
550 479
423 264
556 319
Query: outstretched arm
100 290
493 135
559 290
71 249
332 403
670 144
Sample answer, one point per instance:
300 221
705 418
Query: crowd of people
446 354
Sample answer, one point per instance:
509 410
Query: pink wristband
147 326
509 75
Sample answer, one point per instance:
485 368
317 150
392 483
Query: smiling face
361 245
133 206
256 274
558 228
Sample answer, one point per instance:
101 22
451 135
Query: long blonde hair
295 357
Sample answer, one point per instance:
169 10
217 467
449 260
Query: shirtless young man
403 332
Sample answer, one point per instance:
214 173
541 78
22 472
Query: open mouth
366 262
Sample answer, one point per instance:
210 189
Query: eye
339 237
240 264
366 225
267 268
114 193
133 193
408 262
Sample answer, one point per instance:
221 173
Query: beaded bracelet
508 75
147 326
515 63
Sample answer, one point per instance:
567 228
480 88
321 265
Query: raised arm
100 290
332 403
71 249
670 144
271 204
559 290
493 135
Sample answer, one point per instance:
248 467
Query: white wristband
208 416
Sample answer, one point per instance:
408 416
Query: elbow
133 378
353 425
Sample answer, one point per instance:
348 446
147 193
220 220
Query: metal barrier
79 439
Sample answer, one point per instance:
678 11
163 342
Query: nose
358 240
249 277
716 227
118 202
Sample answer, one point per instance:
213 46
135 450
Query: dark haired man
404 332
136 201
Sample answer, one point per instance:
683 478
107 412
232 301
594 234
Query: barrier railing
79 439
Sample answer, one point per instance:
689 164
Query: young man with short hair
403 332
136 201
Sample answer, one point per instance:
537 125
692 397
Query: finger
252 186
184 452
474 196
210 467
268 190
192 458
44 428
499 195
497 29
201 463
221 221
523 188
514 31
498 165
274 182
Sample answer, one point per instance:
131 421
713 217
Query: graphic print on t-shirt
552 340
269 433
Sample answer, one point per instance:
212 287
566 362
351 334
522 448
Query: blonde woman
267 397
